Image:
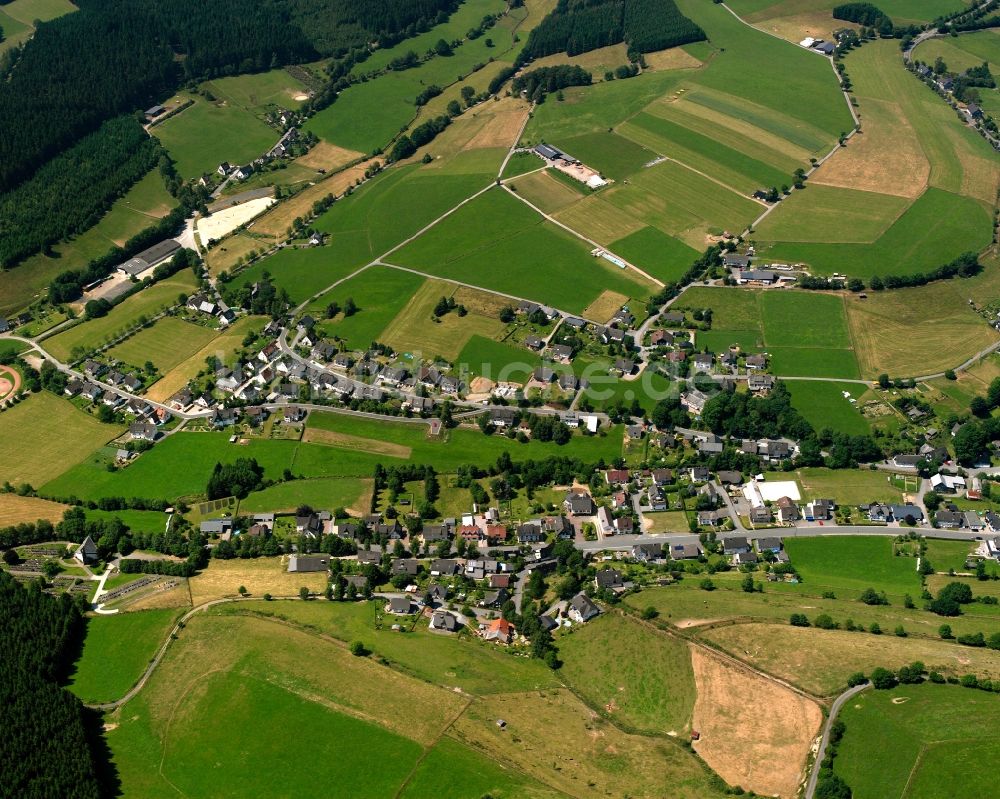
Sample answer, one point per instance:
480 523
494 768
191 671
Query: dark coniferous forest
45 747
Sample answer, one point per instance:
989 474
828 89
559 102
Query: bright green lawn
317 492
803 319
848 565
143 521
497 360
116 650
945 555
259 91
937 739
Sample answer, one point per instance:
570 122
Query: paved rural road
838 703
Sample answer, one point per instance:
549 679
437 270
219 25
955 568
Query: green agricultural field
497 360
849 565
550 190
683 203
259 92
117 650
760 69
612 155
498 243
440 660
304 273
938 746
825 214
181 465
687 601
380 294
317 492
49 435
148 302
204 135
706 154
653 251
803 319
386 103
937 228
397 204
731 310
168 342
520 163
596 108
824 405
638 675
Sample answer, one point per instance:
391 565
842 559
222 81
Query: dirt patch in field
885 157
15 510
346 441
277 221
762 744
10 381
674 58
328 156
605 306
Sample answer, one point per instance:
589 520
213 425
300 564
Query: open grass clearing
18 18
886 325
116 650
736 737
945 555
448 661
416 330
304 273
380 293
15 509
820 661
847 486
205 134
653 251
326 493
848 565
44 436
147 303
168 342
631 671
587 750
222 346
260 91
687 605
497 360
829 214
824 405
497 242
937 736
803 319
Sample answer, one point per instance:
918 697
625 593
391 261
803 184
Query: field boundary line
432 744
